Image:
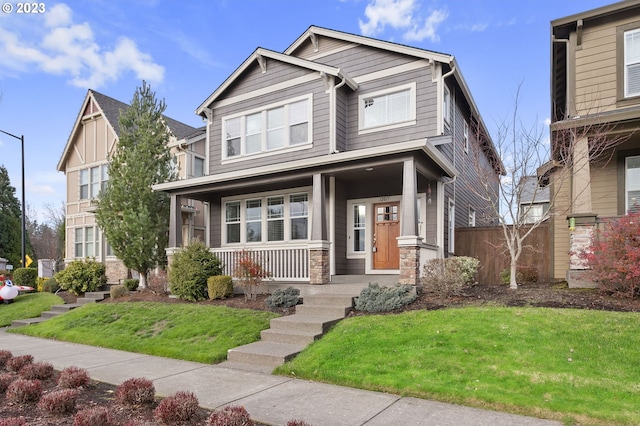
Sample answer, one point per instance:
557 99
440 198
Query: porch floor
340 285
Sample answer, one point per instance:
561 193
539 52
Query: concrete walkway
268 399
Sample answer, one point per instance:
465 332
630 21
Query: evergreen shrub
131 284
191 268
25 276
117 291
283 298
220 286
50 285
382 299
81 276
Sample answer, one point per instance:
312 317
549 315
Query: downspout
333 91
453 138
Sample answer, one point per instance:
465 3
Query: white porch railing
283 263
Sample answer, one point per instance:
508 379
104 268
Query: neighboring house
595 89
85 163
344 155
534 200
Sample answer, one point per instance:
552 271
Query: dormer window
387 109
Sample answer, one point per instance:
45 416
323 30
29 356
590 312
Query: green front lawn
182 331
578 366
28 305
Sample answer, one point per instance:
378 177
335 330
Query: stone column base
319 268
581 232
409 260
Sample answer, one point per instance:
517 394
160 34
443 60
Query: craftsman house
343 155
85 161
595 100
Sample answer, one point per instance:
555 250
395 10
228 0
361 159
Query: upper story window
278 126
446 105
387 109
93 180
465 136
471 221
632 190
632 63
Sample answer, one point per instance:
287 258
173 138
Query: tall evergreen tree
134 218
10 223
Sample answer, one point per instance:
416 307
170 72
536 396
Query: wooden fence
487 244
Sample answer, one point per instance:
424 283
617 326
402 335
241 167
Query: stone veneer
319 266
410 265
580 240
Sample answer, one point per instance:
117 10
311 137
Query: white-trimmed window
389 108
446 105
632 63
632 183
465 136
86 242
359 227
472 217
198 166
92 181
452 226
532 213
277 126
271 218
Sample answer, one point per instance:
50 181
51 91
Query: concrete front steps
89 297
289 335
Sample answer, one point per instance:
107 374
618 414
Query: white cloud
428 29
70 49
402 15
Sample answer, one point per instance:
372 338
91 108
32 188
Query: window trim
96 242
410 121
263 110
471 217
103 178
287 217
626 66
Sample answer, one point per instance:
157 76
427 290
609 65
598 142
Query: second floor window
277 126
387 108
92 181
632 63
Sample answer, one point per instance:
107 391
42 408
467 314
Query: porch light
572 224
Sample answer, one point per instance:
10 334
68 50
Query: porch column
175 222
409 242
581 220
319 272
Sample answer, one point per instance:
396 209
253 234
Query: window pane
233 233
198 167
298 205
359 212
105 177
275 207
78 243
254 133
254 143
299 134
374 111
633 184
233 211
358 240
275 230
84 184
232 128
398 107
298 112
95 181
254 209
359 225
275 139
254 232
275 130
233 147
275 118
299 228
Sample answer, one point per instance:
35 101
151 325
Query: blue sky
186 49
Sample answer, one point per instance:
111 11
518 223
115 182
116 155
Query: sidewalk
268 399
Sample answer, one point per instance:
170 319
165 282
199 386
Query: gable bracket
328 81
432 65
262 61
314 40
579 32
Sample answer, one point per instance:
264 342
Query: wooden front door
386 254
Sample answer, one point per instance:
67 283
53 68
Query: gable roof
266 53
110 109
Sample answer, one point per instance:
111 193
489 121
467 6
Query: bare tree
47 238
527 155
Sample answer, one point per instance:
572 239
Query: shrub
233 415
136 391
131 284
190 269
37 370
59 402
40 283
81 276
22 391
180 407
4 357
220 286
117 291
73 377
25 276
448 277
381 299
50 285
283 298
614 256
250 272
17 362
13 421
5 380
94 416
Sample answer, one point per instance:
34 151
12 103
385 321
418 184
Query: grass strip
578 366
181 331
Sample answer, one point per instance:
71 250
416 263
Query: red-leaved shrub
179 407
59 402
73 377
136 391
4 357
37 370
5 380
94 416
233 415
614 256
13 421
17 362
22 391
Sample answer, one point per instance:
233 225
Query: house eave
423 145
